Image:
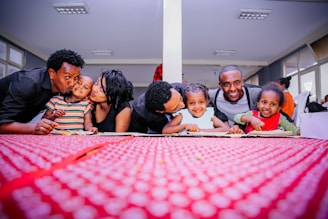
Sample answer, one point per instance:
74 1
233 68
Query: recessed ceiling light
224 52
253 14
104 52
71 8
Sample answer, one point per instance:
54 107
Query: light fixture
71 8
104 52
224 52
253 14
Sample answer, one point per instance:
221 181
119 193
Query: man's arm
44 127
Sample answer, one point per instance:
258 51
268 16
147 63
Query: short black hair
157 94
57 59
285 81
195 87
118 88
272 86
229 68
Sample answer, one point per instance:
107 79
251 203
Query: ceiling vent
71 8
104 52
224 52
254 14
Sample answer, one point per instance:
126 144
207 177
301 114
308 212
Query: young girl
268 116
72 112
197 116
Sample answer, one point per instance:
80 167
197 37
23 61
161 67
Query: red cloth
269 123
158 75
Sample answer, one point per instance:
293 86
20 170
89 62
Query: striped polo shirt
74 113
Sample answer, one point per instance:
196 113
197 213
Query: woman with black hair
111 95
289 104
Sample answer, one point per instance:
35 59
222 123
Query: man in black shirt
151 109
24 94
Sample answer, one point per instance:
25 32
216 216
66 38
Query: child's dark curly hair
272 86
57 59
195 87
158 93
118 89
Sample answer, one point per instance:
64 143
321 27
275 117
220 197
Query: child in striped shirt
72 112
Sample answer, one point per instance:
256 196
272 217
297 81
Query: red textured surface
163 177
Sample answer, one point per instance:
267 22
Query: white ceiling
133 30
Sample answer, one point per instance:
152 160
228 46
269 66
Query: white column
172 45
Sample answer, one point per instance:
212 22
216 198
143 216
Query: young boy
72 112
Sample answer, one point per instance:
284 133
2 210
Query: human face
175 103
196 103
231 82
65 78
268 104
98 94
83 87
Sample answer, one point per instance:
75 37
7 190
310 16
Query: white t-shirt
203 122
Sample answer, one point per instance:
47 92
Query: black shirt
144 121
23 95
109 123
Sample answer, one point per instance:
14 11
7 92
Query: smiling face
196 103
65 78
83 87
231 82
268 103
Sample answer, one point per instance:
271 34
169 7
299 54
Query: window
307 74
2 70
3 50
324 80
290 65
15 56
293 87
307 82
306 59
11 59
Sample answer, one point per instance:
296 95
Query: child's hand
94 130
235 130
192 128
257 124
58 113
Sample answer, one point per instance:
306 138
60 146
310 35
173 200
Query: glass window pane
324 80
290 65
2 70
16 56
293 87
308 84
306 59
11 69
3 50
